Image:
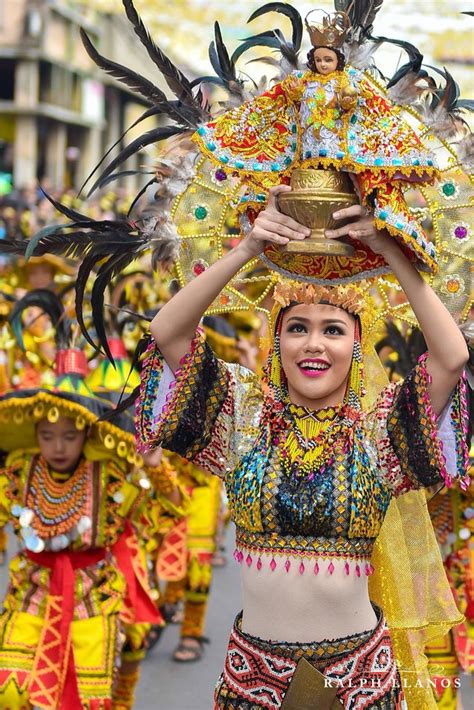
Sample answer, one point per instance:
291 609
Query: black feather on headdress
50 304
442 110
448 98
406 86
361 14
137 83
176 80
415 59
125 404
289 49
108 245
224 66
150 137
186 112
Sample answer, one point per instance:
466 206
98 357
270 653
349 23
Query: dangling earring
276 376
355 387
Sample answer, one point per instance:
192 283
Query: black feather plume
106 273
13 247
149 92
48 302
125 173
361 15
128 402
269 38
413 65
289 11
154 136
176 80
289 49
140 193
219 56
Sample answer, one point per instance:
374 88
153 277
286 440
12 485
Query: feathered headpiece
70 396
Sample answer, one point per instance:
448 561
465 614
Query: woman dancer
310 473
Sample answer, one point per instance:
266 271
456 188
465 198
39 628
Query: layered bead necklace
313 438
55 512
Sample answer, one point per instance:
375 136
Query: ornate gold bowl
314 197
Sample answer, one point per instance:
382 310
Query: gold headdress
68 396
331 32
352 298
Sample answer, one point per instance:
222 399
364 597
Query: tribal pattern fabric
261 678
67 609
362 667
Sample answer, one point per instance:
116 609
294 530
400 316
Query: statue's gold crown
330 32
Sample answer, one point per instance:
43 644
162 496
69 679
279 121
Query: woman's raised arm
173 328
447 349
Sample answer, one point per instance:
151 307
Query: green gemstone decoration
449 189
200 212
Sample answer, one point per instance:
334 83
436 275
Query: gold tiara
331 32
349 297
353 298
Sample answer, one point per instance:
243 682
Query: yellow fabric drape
411 586
409 582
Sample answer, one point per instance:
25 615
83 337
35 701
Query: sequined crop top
214 414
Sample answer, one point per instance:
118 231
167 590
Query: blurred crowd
25 211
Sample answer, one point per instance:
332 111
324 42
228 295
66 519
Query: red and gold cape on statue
297 124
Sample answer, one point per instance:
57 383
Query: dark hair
341 60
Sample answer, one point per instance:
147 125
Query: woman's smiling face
316 346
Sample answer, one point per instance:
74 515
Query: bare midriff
281 605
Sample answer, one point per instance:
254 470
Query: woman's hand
362 228
272 226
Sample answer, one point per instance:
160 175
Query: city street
166 685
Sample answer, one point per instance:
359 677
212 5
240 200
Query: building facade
58 111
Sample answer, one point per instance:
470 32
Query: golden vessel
314 197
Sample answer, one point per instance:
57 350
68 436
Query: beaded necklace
56 506
313 438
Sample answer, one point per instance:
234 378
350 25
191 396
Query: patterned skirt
361 667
